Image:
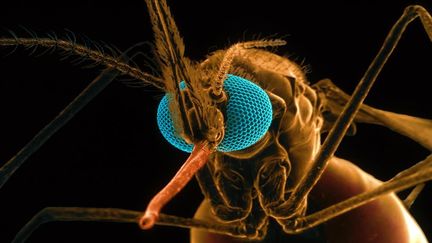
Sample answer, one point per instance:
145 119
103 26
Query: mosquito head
239 120
202 113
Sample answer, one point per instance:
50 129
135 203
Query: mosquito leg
343 122
396 184
414 169
53 214
416 128
93 89
98 56
409 200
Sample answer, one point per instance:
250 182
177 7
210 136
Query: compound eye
248 115
167 128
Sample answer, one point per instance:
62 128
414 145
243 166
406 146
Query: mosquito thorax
248 115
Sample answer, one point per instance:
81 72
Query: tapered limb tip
148 220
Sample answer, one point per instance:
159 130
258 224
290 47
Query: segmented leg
402 181
417 129
54 214
93 89
409 200
343 122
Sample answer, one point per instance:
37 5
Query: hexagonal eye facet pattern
248 116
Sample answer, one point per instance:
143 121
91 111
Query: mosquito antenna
232 52
14 36
32 35
80 50
134 83
130 81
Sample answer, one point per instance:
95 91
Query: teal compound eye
247 118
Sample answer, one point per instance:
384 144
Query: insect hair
69 47
132 57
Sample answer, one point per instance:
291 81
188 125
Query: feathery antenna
229 57
70 46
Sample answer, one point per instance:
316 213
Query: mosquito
201 118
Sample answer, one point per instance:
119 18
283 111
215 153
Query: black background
112 155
